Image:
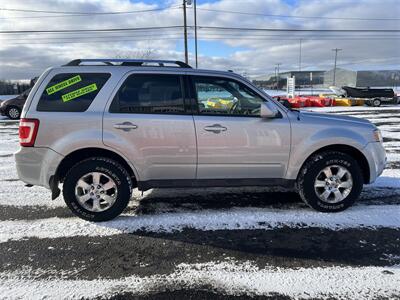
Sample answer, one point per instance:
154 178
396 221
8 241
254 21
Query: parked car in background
12 108
102 130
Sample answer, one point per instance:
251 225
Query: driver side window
223 96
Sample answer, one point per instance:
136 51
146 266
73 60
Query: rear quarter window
71 92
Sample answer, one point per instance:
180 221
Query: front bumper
376 156
2 110
36 165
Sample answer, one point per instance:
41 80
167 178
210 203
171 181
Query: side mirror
268 110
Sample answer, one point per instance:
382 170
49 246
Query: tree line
14 88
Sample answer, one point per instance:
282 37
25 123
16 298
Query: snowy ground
196 244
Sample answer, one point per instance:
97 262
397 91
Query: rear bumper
376 156
36 165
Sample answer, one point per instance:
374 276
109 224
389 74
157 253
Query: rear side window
150 93
71 92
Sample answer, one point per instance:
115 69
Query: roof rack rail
128 62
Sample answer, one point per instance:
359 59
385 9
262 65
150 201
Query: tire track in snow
373 216
227 278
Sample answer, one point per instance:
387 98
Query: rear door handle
125 126
215 128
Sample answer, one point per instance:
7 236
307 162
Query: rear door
234 142
148 123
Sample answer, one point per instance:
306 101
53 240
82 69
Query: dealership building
344 77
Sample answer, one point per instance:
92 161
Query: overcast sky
23 56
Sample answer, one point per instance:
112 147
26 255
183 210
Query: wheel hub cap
96 192
333 184
13 113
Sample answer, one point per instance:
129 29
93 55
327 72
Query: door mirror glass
268 110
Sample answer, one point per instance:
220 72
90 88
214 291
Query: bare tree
139 54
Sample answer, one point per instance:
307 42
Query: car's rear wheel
14 113
330 181
97 189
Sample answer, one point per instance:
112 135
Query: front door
147 123
233 140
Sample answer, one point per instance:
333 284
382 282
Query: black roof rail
128 62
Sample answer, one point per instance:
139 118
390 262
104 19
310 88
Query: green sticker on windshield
63 84
77 93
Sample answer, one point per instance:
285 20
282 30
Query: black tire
310 171
376 102
105 166
13 112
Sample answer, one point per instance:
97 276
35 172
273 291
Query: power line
178 37
90 30
215 28
85 14
133 39
79 13
298 17
297 30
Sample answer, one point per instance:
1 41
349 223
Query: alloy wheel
333 184
96 191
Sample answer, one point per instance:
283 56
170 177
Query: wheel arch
350 150
80 154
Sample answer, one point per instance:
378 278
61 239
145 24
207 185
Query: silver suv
103 127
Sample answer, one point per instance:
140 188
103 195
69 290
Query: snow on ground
353 109
228 277
361 216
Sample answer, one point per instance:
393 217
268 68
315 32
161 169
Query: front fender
304 145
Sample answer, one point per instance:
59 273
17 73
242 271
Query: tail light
28 129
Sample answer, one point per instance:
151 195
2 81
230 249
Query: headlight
378 136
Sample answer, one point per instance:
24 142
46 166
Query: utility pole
300 57
195 31
334 69
185 32
277 70
276 80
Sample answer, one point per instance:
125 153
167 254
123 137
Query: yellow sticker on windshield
77 93
63 84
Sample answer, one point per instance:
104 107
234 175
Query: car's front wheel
330 181
97 189
376 102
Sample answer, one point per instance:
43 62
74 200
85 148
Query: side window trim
125 77
192 98
195 103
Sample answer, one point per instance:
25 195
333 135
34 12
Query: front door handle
125 126
215 128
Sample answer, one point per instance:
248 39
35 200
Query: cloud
26 55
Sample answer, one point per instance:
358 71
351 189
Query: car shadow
178 200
